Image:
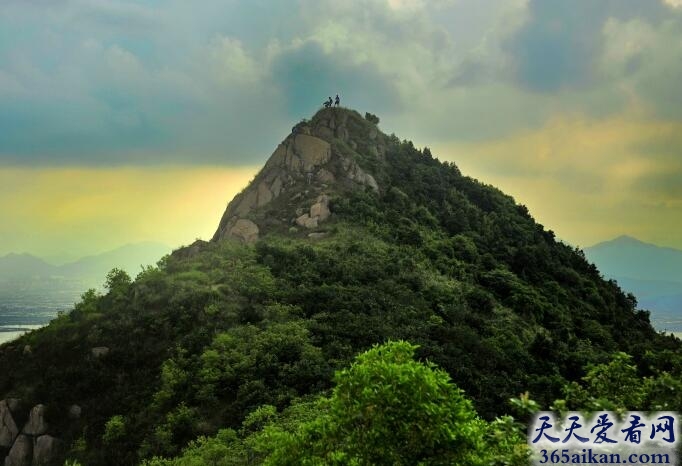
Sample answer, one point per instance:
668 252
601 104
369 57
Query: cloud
673 3
646 61
560 42
114 82
307 74
588 179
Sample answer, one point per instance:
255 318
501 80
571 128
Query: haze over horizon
125 121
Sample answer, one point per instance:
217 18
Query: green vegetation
226 354
386 409
372 118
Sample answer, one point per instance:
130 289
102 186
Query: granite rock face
317 160
21 453
27 444
8 428
44 449
36 424
245 230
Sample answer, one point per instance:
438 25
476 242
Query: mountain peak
626 239
321 157
629 241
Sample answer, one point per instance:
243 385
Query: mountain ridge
652 273
628 240
26 265
258 319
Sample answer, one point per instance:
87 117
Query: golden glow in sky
588 180
71 212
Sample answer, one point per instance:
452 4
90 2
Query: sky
124 121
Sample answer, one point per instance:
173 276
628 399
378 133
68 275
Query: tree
372 118
115 429
117 280
388 409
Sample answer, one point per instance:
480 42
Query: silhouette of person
337 101
328 102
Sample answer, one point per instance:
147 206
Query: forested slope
265 315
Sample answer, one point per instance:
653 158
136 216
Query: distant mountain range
32 290
652 273
91 269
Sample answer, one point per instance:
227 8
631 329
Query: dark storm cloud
561 41
107 82
306 75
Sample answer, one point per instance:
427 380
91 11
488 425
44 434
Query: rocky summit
319 159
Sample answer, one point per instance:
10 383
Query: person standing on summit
337 101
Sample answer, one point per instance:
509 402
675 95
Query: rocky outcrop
312 151
315 158
30 444
245 230
8 428
15 406
318 212
357 174
36 424
44 450
192 250
306 221
21 453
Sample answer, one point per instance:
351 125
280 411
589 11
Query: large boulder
358 175
21 453
245 230
16 406
36 424
306 221
44 450
320 209
8 428
312 151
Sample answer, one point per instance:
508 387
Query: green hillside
356 239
